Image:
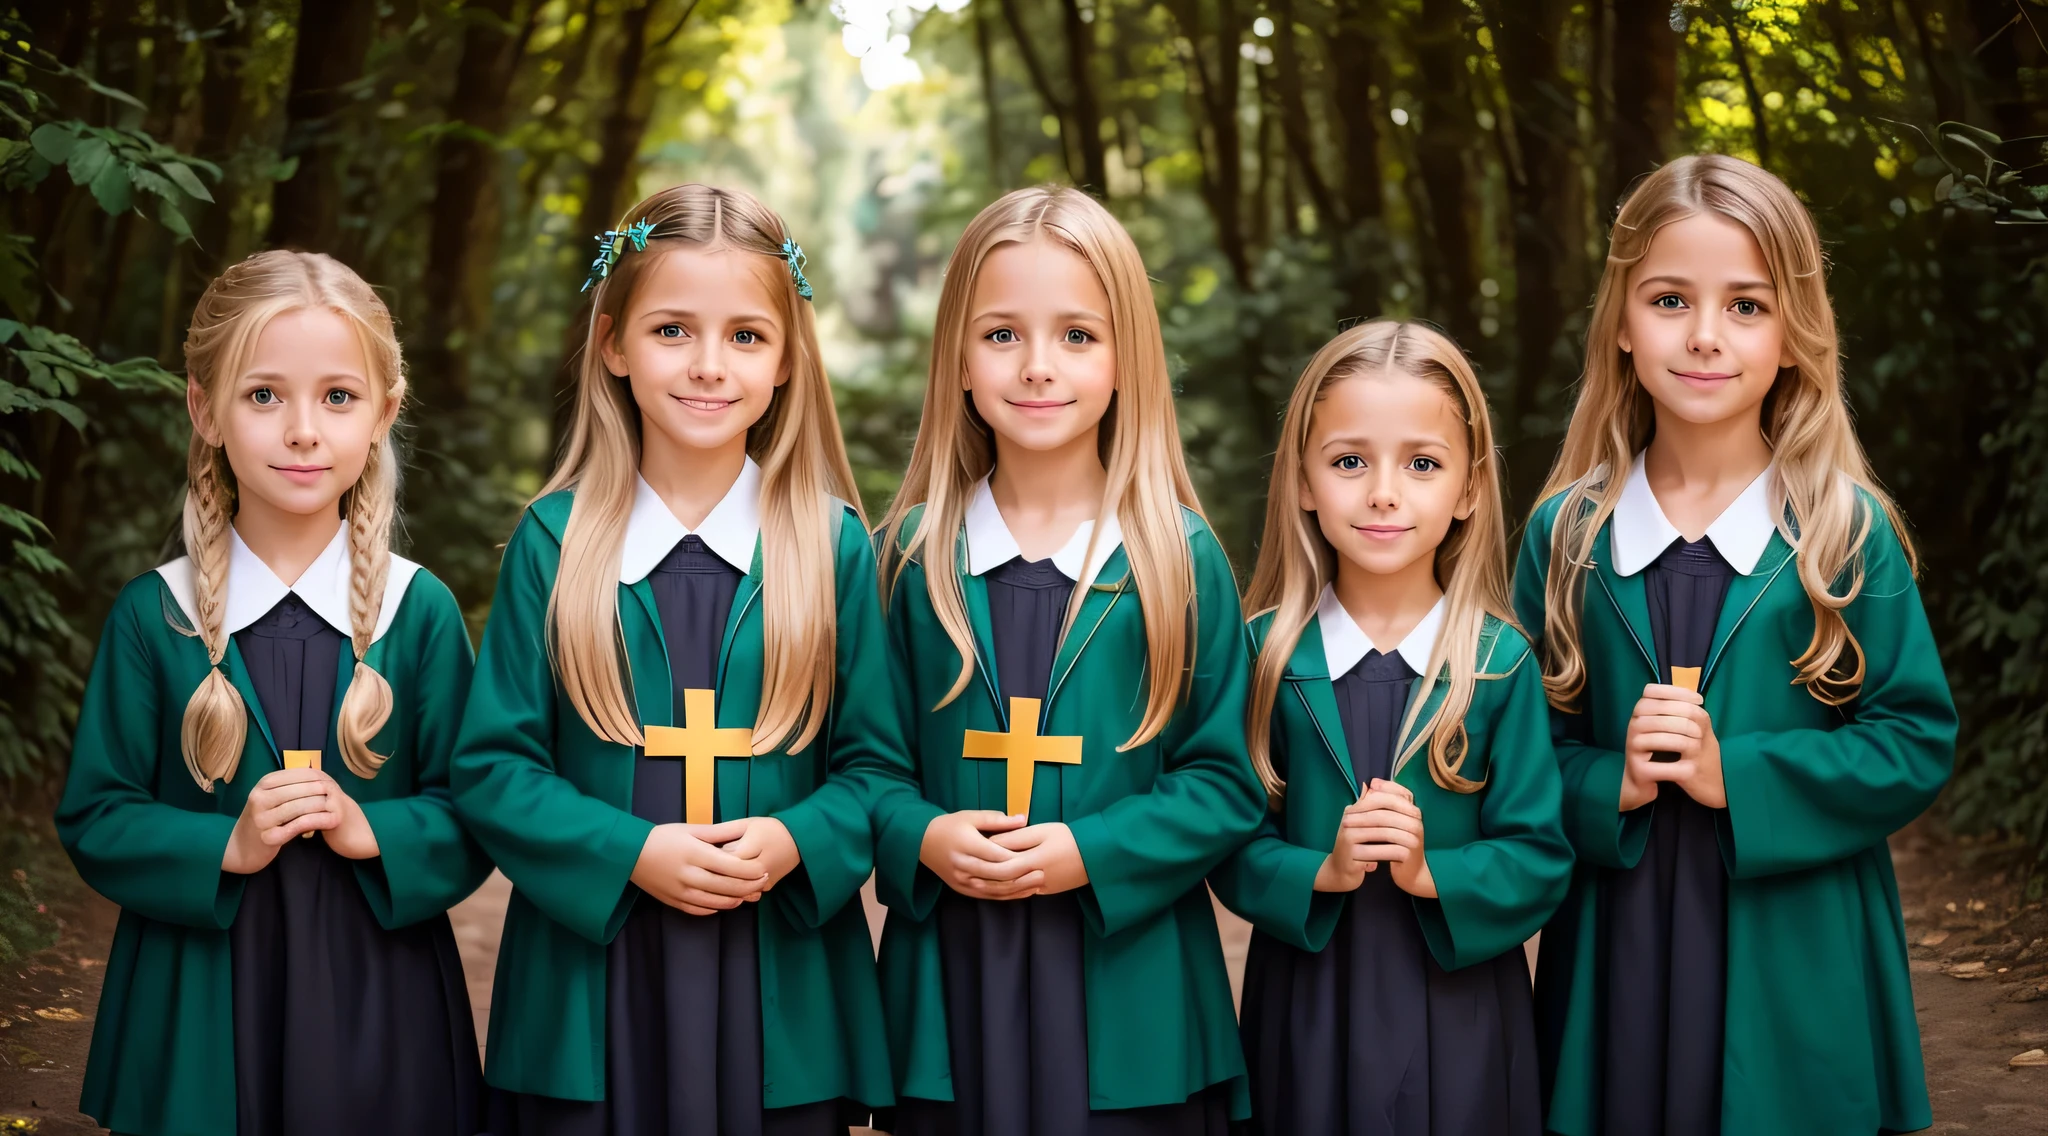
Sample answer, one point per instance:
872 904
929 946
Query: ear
1622 340
1304 497
1468 502
201 409
607 349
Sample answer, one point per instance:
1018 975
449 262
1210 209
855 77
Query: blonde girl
1070 672
1748 697
288 677
1397 719
673 739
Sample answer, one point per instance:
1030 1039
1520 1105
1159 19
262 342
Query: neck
287 543
690 481
1387 606
1036 487
1706 454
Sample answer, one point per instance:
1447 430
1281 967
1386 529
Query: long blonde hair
1139 442
226 324
1820 464
803 463
1296 560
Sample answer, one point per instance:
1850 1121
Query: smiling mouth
302 468
1039 403
1704 376
705 404
1383 532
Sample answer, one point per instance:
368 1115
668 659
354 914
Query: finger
291 810
1401 836
1016 867
1374 800
693 876
1667 770
279 777
1388 853
1018 888
1659 741
311 822
291 791
724 832
745 848
693 909
1683 711
1383 785
981 848
1384 818
1667 724
1021 840
696 897
989 820
1669 693
724 863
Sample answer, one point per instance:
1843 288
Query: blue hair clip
794 254
638 232
607 256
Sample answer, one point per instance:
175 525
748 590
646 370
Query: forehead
1386 407
311 340
1039 271
1704 245
705 280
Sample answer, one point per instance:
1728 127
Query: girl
289 677
685 828
1749 697
1393 1002
1069 662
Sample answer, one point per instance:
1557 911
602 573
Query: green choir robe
1499 856
1150 822
1820 1035
552 803
144 835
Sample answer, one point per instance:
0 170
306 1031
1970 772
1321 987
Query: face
1040 364
1702 321
298 423
701 344
1386 471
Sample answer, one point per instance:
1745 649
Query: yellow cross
302 759
1022 748
697 742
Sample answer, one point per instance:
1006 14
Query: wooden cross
1685 678
697 742
301 759
1022 748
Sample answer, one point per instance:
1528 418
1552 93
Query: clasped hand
702 869
288 803
1672 719
987 855
1383 826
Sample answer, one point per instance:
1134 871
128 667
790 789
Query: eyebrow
738 317
273 376
1356 442
1733 285
1082 314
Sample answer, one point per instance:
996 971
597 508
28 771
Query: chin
704 435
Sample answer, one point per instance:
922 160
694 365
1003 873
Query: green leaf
87 160
1975 135
110 188
53 142
1944 187
167 214
13 518
186 180
10 463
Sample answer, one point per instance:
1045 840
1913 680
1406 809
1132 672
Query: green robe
1150 823
144 835
1499 856
1820 1034
552 802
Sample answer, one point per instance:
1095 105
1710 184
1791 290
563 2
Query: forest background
1286 166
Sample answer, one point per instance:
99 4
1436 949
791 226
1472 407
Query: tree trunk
1645 113
1215 93
1441 145
464 218
992 118
1294 121
1086 113
334 38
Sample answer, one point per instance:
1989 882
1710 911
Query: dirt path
1963 907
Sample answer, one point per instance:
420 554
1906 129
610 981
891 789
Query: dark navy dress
683 992
1369 1036
341 1027
1664 922
1016 1004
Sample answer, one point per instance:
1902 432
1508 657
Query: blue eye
746 338
339 398
670 331
1747 308
1350 463
1076 337
1001 335
264 396
1425 465
1673 305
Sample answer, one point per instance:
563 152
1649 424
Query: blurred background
1286 166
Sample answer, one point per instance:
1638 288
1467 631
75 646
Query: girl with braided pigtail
261 983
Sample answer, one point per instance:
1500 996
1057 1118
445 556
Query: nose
1038 365
300 430
709 364
1383 488
1704 338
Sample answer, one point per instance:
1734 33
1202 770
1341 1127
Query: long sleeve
427 862
902 812
1147 850
870 760
570 853
1591 776
1495 892
1802 798
156 859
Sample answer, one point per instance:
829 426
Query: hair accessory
638 232
794 254
607 256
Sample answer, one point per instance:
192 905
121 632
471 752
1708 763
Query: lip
704 405
1706 377
1040 405
1383 532
302 474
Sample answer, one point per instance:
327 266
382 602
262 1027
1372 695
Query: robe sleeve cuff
1600 833
902 882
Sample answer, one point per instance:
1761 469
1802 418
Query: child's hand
1671 719
1410 872
284 805
956 850
1362 837
767 843
352 836
1045 850
684 866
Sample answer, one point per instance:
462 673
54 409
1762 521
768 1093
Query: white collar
1641 532
990 543
729 529
253 589
1344 643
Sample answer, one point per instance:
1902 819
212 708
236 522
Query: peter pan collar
1344 643
1641 532
253 589
991 544
729 530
